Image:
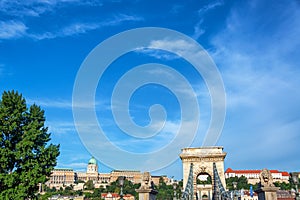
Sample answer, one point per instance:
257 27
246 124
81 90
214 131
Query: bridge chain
219 192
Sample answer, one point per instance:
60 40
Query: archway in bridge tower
204 186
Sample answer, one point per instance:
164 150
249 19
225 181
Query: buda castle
67 177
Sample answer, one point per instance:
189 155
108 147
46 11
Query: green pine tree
26 157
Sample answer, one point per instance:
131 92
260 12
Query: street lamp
234 184
121 180
174 187
295 177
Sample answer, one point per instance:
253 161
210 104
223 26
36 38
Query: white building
253 175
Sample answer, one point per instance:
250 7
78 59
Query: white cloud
25 8
177 47
12 29
17 29
69 30
198 28
61 127
50 103
120 18
209 7
155 53
35 8
20 11
78 28
77 166
258 60
252 64
63 104
157 142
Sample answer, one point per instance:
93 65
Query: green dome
93 161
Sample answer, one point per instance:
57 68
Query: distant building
246 196
91 172
284 195
58 197
131 175
115 196
156 179
104 177
253 175
61 177
66 177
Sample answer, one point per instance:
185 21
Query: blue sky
254 44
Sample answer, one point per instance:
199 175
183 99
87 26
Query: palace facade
253 175
66 177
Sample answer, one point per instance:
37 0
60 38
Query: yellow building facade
66 177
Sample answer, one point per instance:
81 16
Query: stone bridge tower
203 159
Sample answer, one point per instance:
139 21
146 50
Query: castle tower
92 166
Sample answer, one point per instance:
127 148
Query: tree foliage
26 158
89 185
283 185
242 183
128 188
167 192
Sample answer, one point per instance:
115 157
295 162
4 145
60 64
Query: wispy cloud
200 90
77 166
78 28
73 29
178 47
156 53
61 127
50 103
17 29
63 104
198 28
35 8
261 76
210 6
155 143
12 29
120 18
21 13
254 70
25 8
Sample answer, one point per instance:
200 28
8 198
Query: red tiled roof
229 170
285 174
128 195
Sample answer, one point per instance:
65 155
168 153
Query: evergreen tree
26 157
89 185
242 183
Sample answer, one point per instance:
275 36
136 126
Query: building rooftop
62 169
93 161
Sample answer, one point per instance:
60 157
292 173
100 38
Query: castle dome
93 161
